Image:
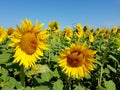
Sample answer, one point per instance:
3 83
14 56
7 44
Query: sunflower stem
69 83
100 78
22 75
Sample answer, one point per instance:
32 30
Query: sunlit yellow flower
98 29
97 32
54 26
79 30
91 38
77 61
68 31
88 31
2 34
29 42
108 33
10 32
118 31
103 31
114 30
67 38
59 40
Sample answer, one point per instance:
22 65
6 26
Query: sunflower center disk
75 59
10 32
28 43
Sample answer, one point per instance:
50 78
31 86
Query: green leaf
46 76
103 47
11 83
54 57
5 57
58 85
97 62
7 88
44 68
79 87
113 58
41 88
2 84
106 70
88 76
38 68
18 85
28 88
3 71
111 68
4 75
55 73
38 80
110 85
101 88
119 65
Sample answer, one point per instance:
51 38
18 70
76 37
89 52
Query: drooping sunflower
29 42
77 61
2 34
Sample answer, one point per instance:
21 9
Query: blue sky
95 13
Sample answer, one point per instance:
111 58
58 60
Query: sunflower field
75 58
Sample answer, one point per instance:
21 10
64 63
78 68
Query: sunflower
114 30
68 31
92 30
10 32
77 61
2 34
91 38
103 31
79 30
29 42
54 26
108 33
97 32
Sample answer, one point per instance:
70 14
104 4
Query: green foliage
79 87
47 75
5 57
110 85
58 85
111 68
